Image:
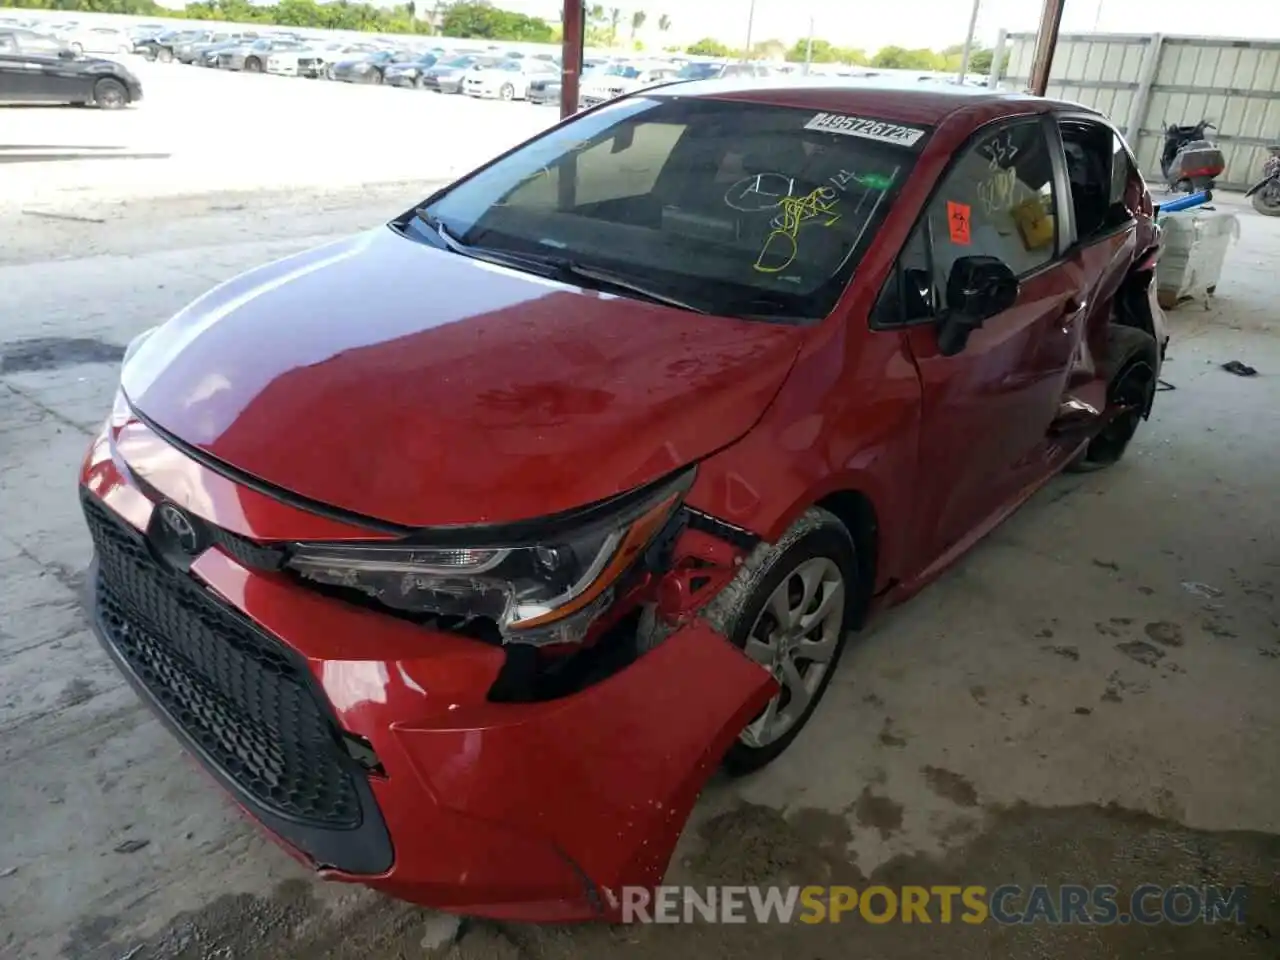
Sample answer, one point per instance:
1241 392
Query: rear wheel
790 614
418 83
1267 200
1134 358
110 94
376 77
164 55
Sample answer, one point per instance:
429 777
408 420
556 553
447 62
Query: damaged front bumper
373 746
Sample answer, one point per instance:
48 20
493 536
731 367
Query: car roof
880 97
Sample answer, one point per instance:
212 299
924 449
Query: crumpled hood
420 387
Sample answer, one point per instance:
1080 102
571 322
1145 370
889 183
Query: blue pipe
1185 203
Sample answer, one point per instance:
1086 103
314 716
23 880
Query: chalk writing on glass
760 191
780 249
1000 150
997 191
868 181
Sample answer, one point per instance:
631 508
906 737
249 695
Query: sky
930 23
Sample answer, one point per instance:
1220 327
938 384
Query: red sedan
463 550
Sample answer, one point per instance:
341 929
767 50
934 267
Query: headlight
539 592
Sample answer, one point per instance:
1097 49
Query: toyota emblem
180 525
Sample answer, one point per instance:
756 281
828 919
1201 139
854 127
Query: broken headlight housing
540 589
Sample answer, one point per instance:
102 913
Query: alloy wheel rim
795 637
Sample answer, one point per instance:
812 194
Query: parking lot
205 130
1089 697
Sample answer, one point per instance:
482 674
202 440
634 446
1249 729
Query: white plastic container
1195 248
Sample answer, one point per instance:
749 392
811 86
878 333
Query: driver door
986 410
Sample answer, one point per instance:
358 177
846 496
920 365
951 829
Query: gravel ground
1088 697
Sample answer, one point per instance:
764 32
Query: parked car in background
545 91
161 46
65 78
193 51
252 57
366 68
17 40
622 78
84 39
507 80
447 76
718 69
409 73
314 59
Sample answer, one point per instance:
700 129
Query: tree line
606 26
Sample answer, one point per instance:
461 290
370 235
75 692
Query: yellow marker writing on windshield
782 245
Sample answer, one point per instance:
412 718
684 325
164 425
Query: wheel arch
855 510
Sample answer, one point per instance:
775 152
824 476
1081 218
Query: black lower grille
238 694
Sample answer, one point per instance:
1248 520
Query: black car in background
66 78
366 68
162 46
408 73
193 51
447 75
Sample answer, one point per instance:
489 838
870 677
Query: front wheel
164 55
376 77
789 613
508 92
110 94
1267 200
253 65
77 49
1133 358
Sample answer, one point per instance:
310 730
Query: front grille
238 694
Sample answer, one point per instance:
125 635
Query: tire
110 94
418 83
1267 200
813 562
77 49
252 65
1133 359
376 77
164 55
328 73
508 92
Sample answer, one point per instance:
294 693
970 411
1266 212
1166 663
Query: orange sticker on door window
958 222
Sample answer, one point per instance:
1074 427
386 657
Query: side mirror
977 288
66 53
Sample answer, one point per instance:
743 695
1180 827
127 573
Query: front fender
1260 184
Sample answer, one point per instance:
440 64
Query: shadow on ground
758 845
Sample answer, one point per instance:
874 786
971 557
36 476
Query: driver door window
997 201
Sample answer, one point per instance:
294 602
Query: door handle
1072 306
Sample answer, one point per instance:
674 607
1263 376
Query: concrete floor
1089 697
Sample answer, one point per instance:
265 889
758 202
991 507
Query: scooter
1266 192
1191 162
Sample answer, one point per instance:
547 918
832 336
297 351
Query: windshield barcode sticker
867 129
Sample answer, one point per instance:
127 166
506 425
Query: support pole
968 40
1046 45
751 22
808 49
571 49
997 59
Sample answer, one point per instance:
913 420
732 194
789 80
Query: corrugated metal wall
1234 83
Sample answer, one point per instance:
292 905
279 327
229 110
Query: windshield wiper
552 267
594 278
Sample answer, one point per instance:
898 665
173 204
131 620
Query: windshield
699 71
514 66
735 208
461 63
622 70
